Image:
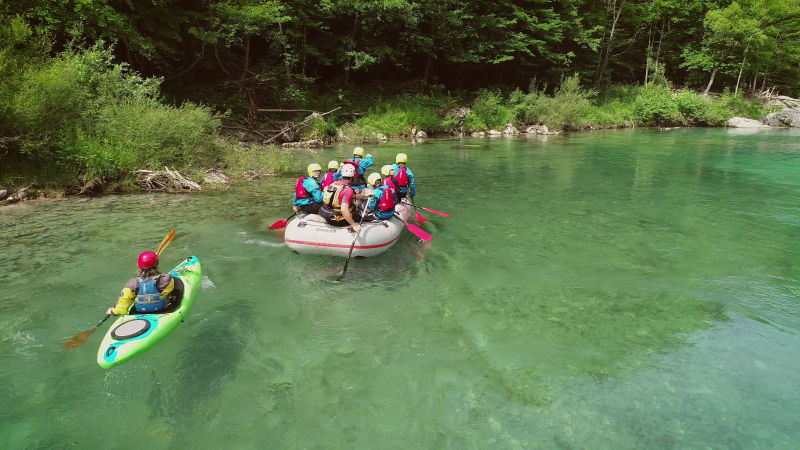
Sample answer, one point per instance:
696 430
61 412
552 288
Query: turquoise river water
622 289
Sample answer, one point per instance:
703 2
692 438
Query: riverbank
81 123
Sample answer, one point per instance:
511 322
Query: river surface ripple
622 289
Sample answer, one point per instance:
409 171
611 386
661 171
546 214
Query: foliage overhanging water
600 290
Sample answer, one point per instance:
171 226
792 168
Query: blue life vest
149 299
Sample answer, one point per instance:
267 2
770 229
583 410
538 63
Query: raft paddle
417 216
352 246
281 223
81 338
429 210
416 231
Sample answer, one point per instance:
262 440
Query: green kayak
133 334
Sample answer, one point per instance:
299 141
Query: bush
655 106
256 161
396 117
80 110
490 110
567 109
474 123
693 107
738 106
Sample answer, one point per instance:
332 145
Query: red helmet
148 260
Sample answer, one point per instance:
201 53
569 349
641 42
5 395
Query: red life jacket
328 180
300 190
401 176
387 200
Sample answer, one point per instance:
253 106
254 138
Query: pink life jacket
401 176
300 190
387 200
328 180
391 182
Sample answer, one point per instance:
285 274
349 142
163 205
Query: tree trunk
353 44
246 61
711 81
303 64
741 68
647 54
615 13
427 70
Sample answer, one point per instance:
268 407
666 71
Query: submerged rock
743 122
785 118
421 134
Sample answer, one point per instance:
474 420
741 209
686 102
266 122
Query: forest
106 87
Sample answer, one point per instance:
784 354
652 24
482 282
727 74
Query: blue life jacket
149 299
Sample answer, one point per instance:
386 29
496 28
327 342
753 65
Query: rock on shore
742 122
784 118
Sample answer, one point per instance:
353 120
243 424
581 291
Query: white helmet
348 171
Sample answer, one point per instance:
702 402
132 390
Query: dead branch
166 180
306 120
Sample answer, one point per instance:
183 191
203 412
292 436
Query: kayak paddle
281 223
352 246
81 338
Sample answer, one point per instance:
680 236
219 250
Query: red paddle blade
419 217
418 232
435 212
279 224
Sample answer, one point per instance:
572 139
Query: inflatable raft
310 234
132 334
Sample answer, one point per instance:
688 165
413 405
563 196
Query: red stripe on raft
361 247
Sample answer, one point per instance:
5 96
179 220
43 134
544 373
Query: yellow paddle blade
165 242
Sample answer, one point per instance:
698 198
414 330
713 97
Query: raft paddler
381 203
338 201
361 163
388 177
333 167
149 292
307 191
404 177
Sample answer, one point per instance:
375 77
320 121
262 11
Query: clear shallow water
600 290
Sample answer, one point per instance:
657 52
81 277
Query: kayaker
307 191
333 167
381 203
404 177
338 201
360 163
149 291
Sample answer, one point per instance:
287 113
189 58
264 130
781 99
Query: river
615 289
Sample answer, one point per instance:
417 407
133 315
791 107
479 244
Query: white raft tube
310 234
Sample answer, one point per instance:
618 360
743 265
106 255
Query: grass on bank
568 107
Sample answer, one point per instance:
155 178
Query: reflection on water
600 290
